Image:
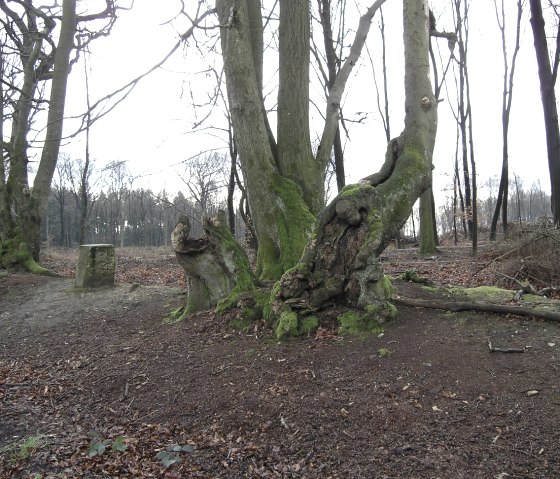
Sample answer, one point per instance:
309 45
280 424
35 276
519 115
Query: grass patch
22 451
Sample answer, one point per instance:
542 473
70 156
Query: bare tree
43 39
547 76
205 177
507 95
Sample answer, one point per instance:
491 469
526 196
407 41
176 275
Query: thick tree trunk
341 264
548 96
282 218
295 158
31 205
215 265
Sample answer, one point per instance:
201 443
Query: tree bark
428 227
215 265
281 216
550 111
483 307
55 119
295 158
506 110
341 264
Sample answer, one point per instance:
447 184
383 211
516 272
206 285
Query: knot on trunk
341 265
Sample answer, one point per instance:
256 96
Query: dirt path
424 400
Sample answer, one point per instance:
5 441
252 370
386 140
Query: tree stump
215 264
96 266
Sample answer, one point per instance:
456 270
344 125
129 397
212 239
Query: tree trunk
507 95
428 227
332 68
548 96
341 264
215 265
22 249
295 158
55 119
281 216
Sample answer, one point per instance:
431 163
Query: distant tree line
527 205
119 214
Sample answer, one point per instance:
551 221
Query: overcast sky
152 129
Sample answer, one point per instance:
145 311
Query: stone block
96 266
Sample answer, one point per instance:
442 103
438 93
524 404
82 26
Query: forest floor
98 385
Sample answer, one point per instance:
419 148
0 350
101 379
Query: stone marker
96 266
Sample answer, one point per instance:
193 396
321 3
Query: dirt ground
98 385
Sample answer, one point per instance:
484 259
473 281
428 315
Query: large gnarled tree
285 181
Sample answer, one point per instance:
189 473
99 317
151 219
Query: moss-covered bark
341 263
216 266
280 209
15 256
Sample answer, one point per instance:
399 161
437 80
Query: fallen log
483 307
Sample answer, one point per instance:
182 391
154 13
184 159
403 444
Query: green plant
171 454
22 450
98 446
383 352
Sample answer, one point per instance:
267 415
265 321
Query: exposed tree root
484 307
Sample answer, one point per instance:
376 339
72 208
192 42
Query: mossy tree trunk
341 263
21 242
282 218
216 265
284 180
40 59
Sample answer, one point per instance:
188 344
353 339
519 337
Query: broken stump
215 264
96 266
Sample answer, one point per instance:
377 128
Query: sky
152 129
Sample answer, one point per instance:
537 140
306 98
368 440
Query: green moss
414 277
287 325
228 302
484 293
293 229
263 300
308 324
384 289
354 189
290 325
383 352
15 256
359 325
